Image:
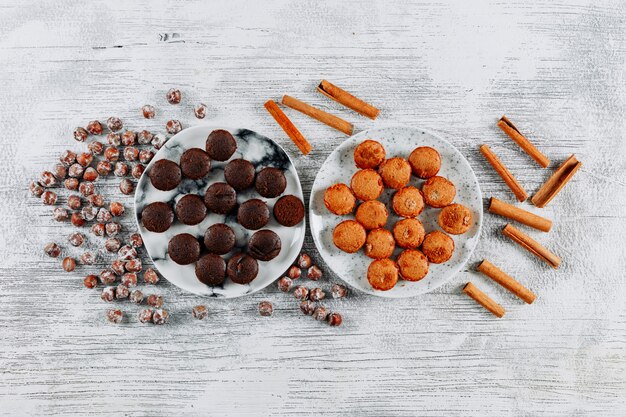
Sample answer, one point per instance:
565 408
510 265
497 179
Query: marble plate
259 150
398 141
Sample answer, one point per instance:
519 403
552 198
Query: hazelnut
84 159
49 198
200 111
76 239
89 213
285 284
80 134
115 316
121 291
86 188
173 126
108 294
47 179
301 293
71 184
59 171
112 244
67 158
114 139
173 96
134 265
118 266
98 229
104 168
338 291
87 258
94 127
144 137
114 124
145 315
155 301
265 308
90 174
74 202
199 312
158 141
131 153
96 147
75 170
128 138
314 273
127 253
52 250
145 156
96 200
137 171
69 264
121 169
150 276
304 261
135 240
107 277
320 313
129 279
148 111
160 316
36 189
117 208
136 296
317 294
77 219
307 307
60 214
294 272
90 281
111 154
335 319
126 186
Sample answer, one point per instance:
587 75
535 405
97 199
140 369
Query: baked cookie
366 184
382 274
195 163
409 233
264 245
219 238
379 244
372 214
184 249
396 172
211 269
288 210
349 236
438 192
242 268
220 198
165 175
408 202
369 154
413 265
239 174
190 209
425 162
339 199
270 182
438 247
455 219
157 217
220 145
253 214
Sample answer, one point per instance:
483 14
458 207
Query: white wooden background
555 68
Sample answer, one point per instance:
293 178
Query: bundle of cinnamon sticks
542 197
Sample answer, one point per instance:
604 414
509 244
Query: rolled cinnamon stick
326 118
513 132
556 182
290 129
506 281
531 245
519 215
483 299
347 99
504 173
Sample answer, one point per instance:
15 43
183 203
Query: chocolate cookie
242 268
220 198
165 175
219 239
270 182
211 269
190 209
240 174
184 249
289 210
195 163
253 214
264 245
221 145
157 217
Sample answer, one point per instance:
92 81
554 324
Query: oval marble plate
398 141
259 150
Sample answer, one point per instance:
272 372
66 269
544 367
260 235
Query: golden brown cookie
366 185
438 192
455 219
369 154
438 247
339 199
349 236
396 172
408 202
425 162
379 244
409 233
413 265
382 274
372 214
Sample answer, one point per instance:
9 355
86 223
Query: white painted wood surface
555 68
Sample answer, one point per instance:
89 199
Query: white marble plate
259 150
398 141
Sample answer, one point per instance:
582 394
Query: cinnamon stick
290 129
531 245
556 182
347 99
504 173
506 281
326 118
513 132
483 299
519 215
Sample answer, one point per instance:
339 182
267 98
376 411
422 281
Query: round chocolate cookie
264 245
211 269
270 182
221 145
289 210
184 249
253 214
242 268
195 163
157 217
219 239
239 173
190 209
220 198
165 175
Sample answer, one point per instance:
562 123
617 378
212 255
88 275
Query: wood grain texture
555 68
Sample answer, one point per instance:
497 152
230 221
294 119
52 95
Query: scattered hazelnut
80 134
67 158
60 214
317 294
136 296
117 209
199 312
301 293
84 159
86 188
114 124
304 261
129 279
128 138
52 250
158 141
121 291
90 174
114 139
87 258
71 184
135 240
111 154
90 281
49 198
307 307
338 291
160 316
145 315
150 276
119 267
113 229
77 219
112 244
173 126
94 127
76 239
74 202
134 265
200 111
265 308
126 186
148 111
314 273
108 294
104 168
335 319
59 171
36 189
131 153
173 96
75 170
96 147
69 264
107 277
115 316
320 313
127 253
89 213
96 200
285 284
155 301
121 169
47 179
294 272
145 156
144 137
98 229
137 171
